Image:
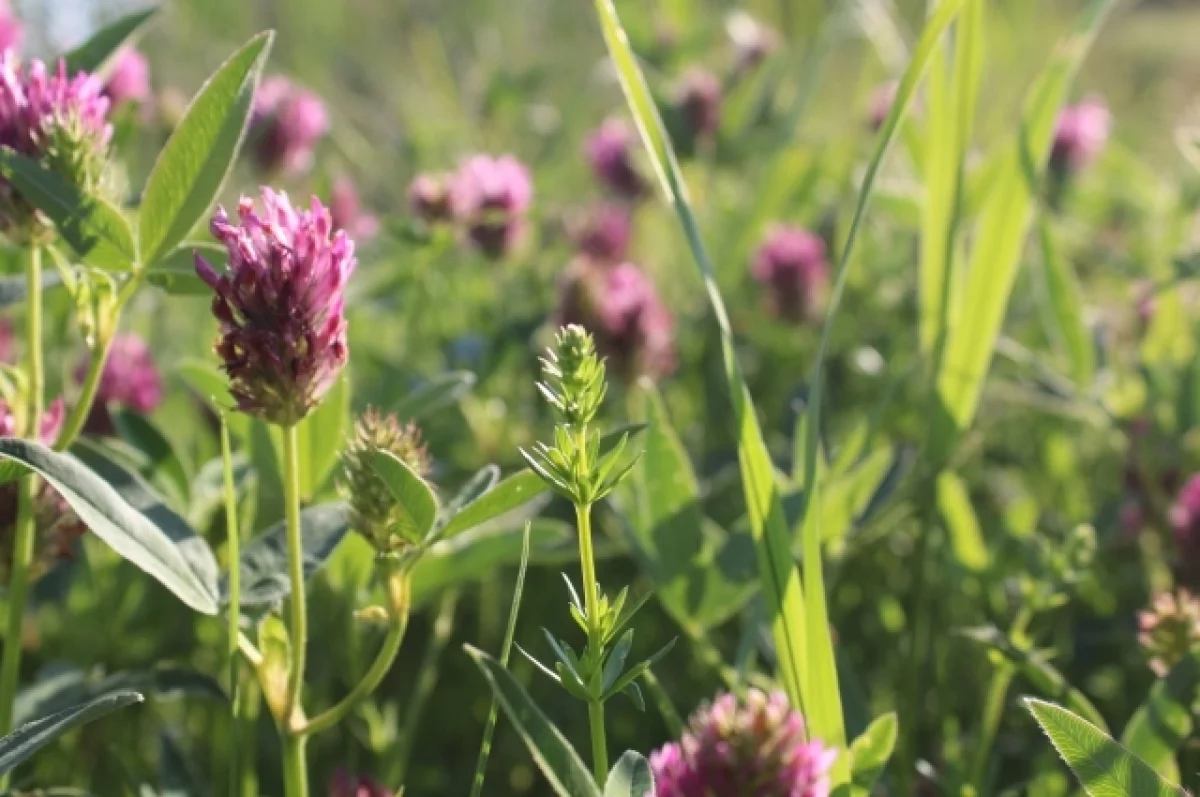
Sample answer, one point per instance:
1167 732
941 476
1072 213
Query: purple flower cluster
56 119
288 123
621 307
58 527
280 305
490 196
343 784
130 377
755 747
12 31
1169 629
698 100
609 151
129 81
1081 134
792 264
604 233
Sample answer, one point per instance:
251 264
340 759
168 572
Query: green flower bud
373 508
575 383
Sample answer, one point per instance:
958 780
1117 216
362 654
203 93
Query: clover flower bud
57 120
731 748
280 305
1169 629
1080 135
698 100
603 235
288 123
375 511
129 80
429 198
791 263
609 151
491 197
347 211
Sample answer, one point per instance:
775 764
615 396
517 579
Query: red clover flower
491 196
288 122
792 264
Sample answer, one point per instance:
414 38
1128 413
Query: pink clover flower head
621 307
792 264
130 377
280 305
1081 134
604 233
731 749
699 101
289 122
491 197
129 80
609 151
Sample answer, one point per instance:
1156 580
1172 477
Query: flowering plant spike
280 305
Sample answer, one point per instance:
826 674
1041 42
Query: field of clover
599 398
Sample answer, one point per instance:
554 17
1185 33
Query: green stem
235 596
591 598
373 677
295 770
250 697
993 711
295 773
25 531
73 425
427 678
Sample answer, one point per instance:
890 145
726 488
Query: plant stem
295 770
78 416
25 531
591 598
993 709
235 614
295 774
373 677
427 678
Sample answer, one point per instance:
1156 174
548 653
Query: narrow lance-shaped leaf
97 54
28 739
510 494
1105 768
552 753
193 165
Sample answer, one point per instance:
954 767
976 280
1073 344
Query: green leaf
320 437
163 464
28 739
441 391
1160 726
510 494
630 777
176 774
675 544
176 273
871 751
264 562
140 497
1039 672
1105 768
1004 221
966 537
98 232
197 158
97 54
127 531
414 497
553 754
66 688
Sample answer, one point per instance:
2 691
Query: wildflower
731 749
281 305
1169 629
752 40
429 198
698 100
58 527
792 264
376 513
880 104
129 80
620 306
491 197
288 122
603 236
59 121
12 31
347 212
1081 134
1184 518
610 152
343 784
129 379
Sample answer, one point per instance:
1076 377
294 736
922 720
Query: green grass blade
1005 220
782 588
1064 294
